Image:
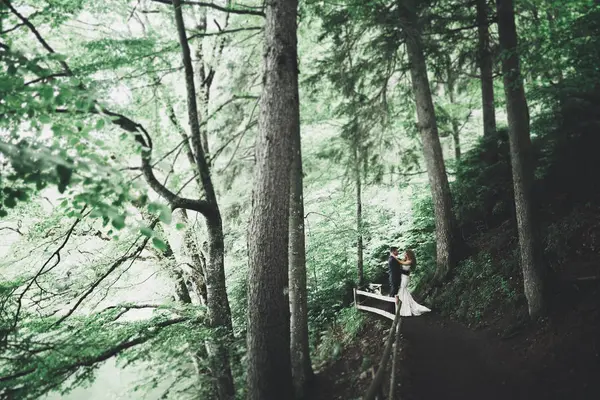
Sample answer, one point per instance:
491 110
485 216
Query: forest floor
557 358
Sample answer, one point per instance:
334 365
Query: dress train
409 306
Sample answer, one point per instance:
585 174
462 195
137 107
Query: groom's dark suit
395 272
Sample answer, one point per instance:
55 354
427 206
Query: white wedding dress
409 306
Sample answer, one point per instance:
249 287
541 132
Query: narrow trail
440 359
558 359
445 360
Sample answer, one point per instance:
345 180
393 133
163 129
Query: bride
409 306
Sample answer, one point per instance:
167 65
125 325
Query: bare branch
11 229
56 254
109 271
215 7
222 32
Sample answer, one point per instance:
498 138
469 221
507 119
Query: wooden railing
377 296
375 390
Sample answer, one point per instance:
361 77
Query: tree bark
219 312
456 139
454 122
201 81
300 352
432 150
359 217
182 294
521 160
197 260
486 67
269 366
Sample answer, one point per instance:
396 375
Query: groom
395 271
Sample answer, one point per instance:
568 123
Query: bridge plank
376 311
377 296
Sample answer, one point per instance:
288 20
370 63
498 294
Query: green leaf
159 244
118 222
44 119
146 231
10 202
64 177
46 92
179 226
100 124
165 215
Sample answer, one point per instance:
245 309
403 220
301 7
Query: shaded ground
556 359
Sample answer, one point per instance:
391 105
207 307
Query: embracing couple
399 270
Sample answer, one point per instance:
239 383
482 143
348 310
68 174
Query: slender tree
300 351
218 305
269 366
359 215
521 159
432 149
486 68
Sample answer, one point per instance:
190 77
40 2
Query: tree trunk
486 66
269 366
197 261
521 159
432 150
300 352
456 138
455 128
219 313
201 81
359 223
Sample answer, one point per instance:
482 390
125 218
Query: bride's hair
411 255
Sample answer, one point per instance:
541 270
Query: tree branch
37 34
222 32
110 270
215 7
33 280
140 135
105 355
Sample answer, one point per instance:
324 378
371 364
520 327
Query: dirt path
445 360
441 360
558 359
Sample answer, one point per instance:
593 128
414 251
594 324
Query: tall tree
269 367
432 149
486 68
521 159
300 352
218 305
359 215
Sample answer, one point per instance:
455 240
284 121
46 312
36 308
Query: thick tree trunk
432 150
359 218
269 366
219 313
486 67
521 159
300 352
